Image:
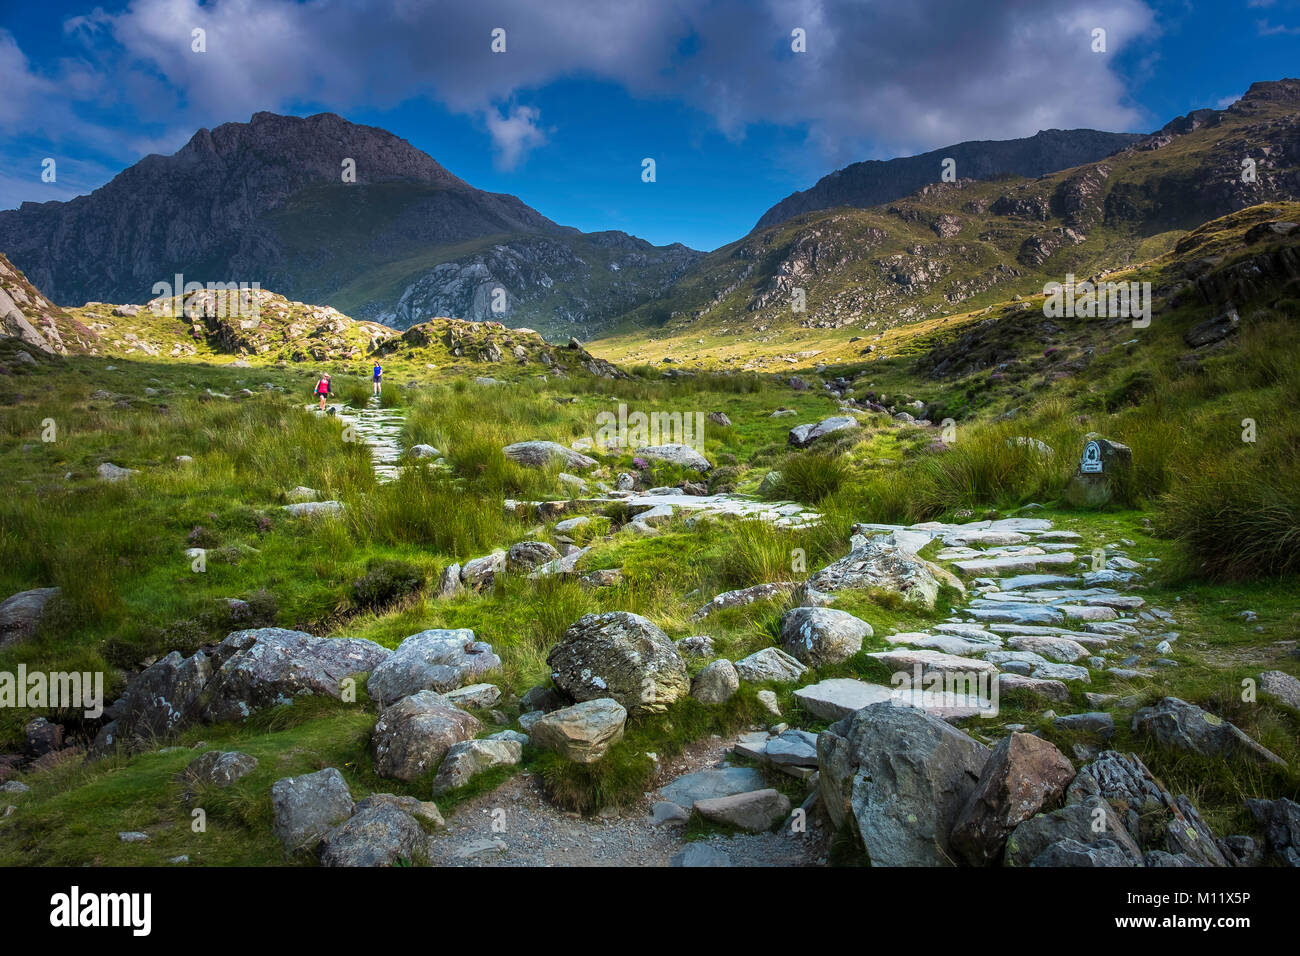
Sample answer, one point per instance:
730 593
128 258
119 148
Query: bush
385 581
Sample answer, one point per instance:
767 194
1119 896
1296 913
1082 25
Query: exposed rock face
309 807
619 655
819 636
1023 775
1176 723
1151 816
1281 821
37 322
1092 822
269 666
414 734
21 613
902 777
583 732
879 564
437 659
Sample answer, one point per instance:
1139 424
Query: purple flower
640 463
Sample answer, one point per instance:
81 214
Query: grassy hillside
964 246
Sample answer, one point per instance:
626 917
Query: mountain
29 321
955 247
875 182
265 201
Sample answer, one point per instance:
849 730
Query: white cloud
879 77
514 134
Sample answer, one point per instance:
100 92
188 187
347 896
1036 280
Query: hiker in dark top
379 374
323 390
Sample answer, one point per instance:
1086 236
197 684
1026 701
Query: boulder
1282 686
111 472
21 613
583 732
1152 818
622 656
837 697
902 777
437 659
422 451
820 636
683 455
770 664
218 768
712 783
270 666
164 696
478 574
1023 775
1091 822
1183 726
1068 852
469 758
449 583
756 811
1281 822
379 835
877 564
716 683
414 734
801 436
700 854
477 696
744 596
308 807
426 811
539 454
527 555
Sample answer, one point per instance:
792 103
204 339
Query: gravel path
516 825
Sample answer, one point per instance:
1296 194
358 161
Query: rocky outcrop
270 666
878 564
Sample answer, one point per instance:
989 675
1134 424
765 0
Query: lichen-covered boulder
413 735
437 659
622 656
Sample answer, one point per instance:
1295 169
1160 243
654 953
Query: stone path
1037 617
378 428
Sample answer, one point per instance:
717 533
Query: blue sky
734 118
